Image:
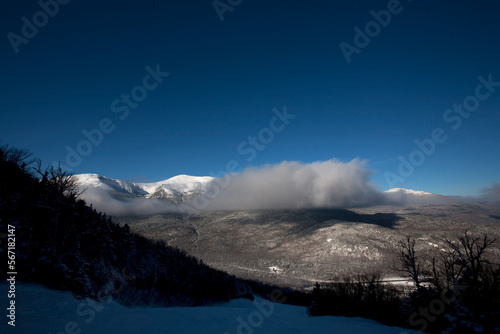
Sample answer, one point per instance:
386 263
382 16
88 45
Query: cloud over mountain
286 185
295 185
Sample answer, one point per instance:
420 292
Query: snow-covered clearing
41 310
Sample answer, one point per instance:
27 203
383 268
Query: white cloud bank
287 185
295 185
106 201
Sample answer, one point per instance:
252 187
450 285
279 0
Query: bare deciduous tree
410 262
61 181
468 255
21 157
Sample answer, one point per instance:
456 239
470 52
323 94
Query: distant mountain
176 190
410 192
180 188
184 193
415 197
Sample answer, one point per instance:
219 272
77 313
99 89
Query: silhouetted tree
410 262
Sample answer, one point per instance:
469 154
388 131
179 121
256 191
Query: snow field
41 310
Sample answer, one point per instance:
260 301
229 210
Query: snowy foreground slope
41 310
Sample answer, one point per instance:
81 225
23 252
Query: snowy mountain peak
179 183
188 182
178 189
409 192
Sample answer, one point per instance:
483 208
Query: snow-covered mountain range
176 190
110 194
179 188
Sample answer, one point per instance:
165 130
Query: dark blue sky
226 77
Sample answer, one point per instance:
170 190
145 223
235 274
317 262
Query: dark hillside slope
64 244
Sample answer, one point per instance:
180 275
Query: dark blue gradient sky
226 77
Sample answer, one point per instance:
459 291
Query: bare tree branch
410 262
